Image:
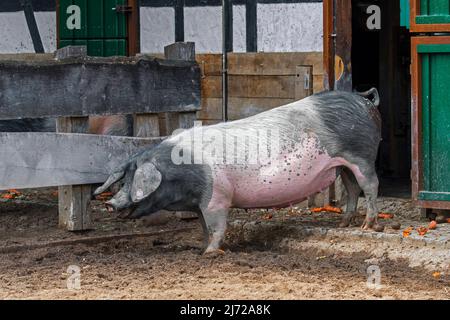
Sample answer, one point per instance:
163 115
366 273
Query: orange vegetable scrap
436 275
422 231
268 216
383 215
104 196
326 209
11 194
14 191
432 225
332 209
407 232
448 220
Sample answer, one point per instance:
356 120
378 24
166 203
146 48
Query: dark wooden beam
97 86
32 26
179 20
251 12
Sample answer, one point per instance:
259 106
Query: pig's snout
110 207
124 213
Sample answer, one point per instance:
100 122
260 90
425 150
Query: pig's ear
113 178
146 180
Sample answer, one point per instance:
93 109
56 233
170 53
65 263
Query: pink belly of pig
295 177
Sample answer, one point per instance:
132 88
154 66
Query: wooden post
73 201
146 125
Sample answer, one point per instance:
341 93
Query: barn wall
294 26
257 82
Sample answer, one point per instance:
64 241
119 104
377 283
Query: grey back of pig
347 126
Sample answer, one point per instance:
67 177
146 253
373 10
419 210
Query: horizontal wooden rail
32 160
88 86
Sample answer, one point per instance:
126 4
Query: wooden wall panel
257 81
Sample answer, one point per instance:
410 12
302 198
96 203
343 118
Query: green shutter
434 11
103 30
435 122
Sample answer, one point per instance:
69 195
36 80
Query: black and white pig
271 160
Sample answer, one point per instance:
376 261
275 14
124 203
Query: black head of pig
140 180
152 182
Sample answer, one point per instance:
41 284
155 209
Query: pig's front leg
214 223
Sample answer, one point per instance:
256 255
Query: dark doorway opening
381 59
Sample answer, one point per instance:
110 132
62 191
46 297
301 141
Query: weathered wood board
97 86
238 108
31 160
257 81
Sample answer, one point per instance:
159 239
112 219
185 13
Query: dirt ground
164 264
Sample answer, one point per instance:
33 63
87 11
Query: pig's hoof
372 225
213 252
345 223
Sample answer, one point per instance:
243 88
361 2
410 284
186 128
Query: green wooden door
434 12
94 23
435 79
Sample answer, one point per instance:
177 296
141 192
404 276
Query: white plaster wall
203 25
157 29
46 22
15 37
281 28
295 27
239 29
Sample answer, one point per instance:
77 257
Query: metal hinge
122 8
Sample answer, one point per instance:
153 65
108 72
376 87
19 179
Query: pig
271 160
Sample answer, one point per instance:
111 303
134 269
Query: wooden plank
97 86
328 45
238 108
250 86
343 50
303 82
261 63
33 160
146 125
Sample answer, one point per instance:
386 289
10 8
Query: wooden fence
73 88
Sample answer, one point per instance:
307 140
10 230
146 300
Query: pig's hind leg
353 191
368 181
214 222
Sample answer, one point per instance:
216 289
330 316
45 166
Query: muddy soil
171 265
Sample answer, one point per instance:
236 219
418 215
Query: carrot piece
432 225
407 232
383 215
422 231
